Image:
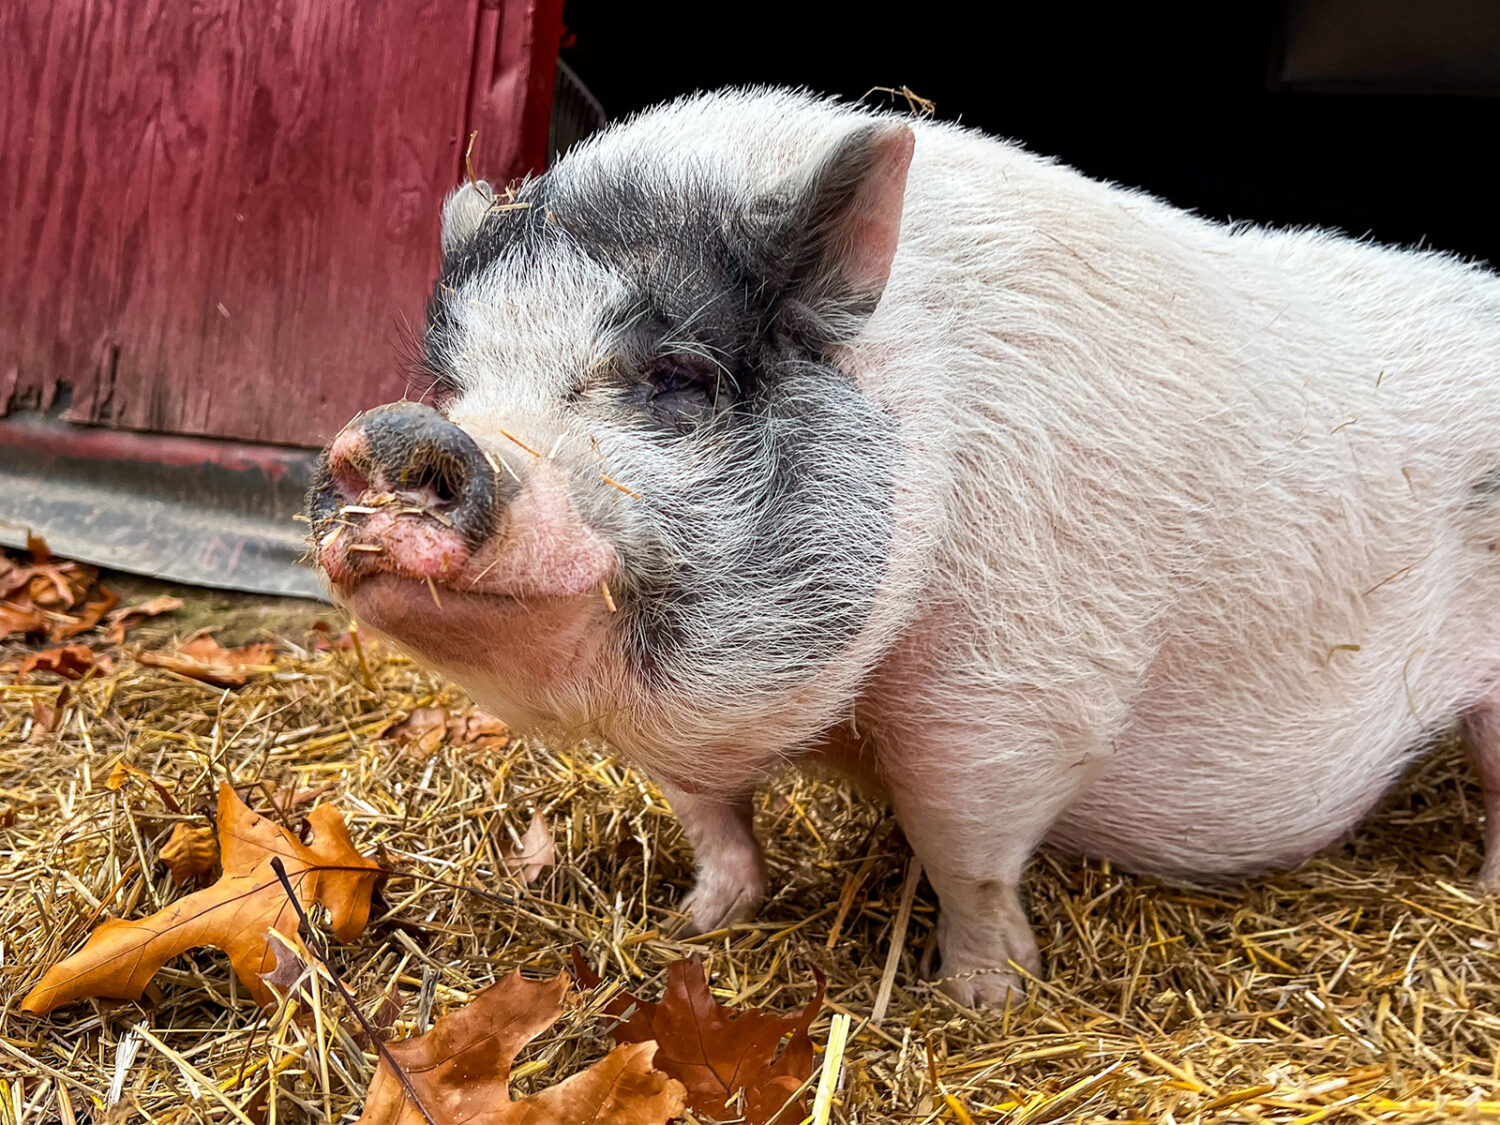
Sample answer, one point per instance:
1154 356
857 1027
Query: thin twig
512 437
315 947
626 489
898 941
359 654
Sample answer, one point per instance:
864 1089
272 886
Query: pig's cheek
544 549
547 647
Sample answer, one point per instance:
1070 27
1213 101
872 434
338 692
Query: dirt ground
1364 985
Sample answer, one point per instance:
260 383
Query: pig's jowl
764 428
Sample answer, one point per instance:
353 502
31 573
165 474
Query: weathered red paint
512 76
220 217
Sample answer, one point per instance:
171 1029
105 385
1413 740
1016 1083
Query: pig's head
648 500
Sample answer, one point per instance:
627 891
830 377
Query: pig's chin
539 641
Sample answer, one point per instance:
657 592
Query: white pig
770 429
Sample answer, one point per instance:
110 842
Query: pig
766 430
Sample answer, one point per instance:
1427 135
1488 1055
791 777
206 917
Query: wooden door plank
219 213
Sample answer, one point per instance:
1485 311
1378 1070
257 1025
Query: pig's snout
434 542
408 455
403 492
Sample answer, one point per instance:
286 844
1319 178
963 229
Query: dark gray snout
409 451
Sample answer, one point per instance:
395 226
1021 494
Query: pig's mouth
529 556
393 535
419 583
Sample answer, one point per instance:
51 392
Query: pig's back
1240 485
1348 607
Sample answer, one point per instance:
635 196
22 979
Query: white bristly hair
1193 542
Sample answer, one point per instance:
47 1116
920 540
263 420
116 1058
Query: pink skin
526 604
1482 735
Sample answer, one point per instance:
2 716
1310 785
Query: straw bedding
1362 986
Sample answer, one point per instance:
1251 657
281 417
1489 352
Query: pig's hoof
984 988
720 899
981 972
1489 875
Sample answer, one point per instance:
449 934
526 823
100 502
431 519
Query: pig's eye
683 390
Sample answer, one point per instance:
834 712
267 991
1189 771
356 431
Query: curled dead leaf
191 852
20 621
204 659
715 1051
234 914
49 597
460 1070
423 730
46 717
129 616
428 728
478 728
86 617
71 662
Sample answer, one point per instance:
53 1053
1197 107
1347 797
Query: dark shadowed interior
1193 103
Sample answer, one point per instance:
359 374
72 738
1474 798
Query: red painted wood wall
219 217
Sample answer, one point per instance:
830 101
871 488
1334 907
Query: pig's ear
827 235
464 212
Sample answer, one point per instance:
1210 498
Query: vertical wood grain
215 214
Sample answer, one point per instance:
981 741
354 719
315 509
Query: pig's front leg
974 809
982 926
731 873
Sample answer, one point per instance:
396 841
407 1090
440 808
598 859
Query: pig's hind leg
1481 730
731 872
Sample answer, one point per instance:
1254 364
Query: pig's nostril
348 482
445 488
437 485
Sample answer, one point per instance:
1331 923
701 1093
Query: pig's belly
1239 760
1204 805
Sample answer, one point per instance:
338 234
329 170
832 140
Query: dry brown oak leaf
233 914
205 659
461 1069
716 1052
71 662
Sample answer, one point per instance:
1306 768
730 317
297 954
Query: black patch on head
769 569
716 269
517 226
756 576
